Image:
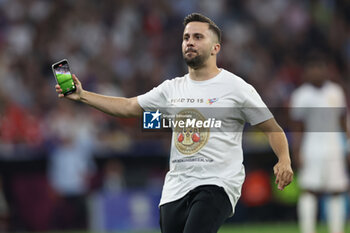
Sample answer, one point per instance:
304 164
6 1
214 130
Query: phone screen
64 77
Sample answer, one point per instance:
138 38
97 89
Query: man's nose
190 42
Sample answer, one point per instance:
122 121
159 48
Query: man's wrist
284 159
82 96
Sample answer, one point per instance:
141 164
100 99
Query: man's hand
284 174
75 95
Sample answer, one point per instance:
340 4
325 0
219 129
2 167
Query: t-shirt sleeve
254 109
153 99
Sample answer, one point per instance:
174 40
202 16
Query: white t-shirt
216 156
322 148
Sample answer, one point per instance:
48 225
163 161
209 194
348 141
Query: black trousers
202 210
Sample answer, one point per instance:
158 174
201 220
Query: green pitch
271 228
244 228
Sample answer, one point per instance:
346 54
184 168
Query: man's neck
203 73
318 83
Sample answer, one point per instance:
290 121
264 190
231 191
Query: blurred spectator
113 177
71 167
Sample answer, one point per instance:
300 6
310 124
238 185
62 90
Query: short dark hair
197 17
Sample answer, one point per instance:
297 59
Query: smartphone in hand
64 77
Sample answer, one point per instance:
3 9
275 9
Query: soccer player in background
318 108
206 173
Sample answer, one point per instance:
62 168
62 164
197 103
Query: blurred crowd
125 48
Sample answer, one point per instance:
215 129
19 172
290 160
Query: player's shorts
323 175
204 210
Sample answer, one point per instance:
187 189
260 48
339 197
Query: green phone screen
64 77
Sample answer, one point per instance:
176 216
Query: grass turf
243 228
269 228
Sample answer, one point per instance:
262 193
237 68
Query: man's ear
215 49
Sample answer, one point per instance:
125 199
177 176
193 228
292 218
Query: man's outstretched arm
278 141
115 106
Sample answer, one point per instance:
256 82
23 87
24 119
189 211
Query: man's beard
195 62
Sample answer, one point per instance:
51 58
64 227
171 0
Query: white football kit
200 157
322 149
